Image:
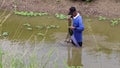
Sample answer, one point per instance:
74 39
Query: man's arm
80 25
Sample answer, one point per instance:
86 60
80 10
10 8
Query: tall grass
0 58
39 56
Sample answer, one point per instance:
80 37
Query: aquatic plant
52 26
27 24
114 22
30 13
5 33
29 28
40 34
102 18
61 16
48 26
39 26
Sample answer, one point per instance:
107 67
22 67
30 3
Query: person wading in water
77 27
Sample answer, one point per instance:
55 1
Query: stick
67 39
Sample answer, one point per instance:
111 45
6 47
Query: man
77 27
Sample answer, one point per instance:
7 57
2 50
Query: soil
109 8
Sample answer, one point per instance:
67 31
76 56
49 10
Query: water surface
101 45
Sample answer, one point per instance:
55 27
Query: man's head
72 11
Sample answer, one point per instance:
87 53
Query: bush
84 0
87 0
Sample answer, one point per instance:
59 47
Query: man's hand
72 27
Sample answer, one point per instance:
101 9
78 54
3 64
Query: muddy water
101 46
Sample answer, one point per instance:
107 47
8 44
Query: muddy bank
109 8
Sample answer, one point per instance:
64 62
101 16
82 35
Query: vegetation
61 16
5 34
29 27
30 13
1 66
102 18
112 21
28 59
85 0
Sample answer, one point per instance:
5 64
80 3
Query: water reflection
74 57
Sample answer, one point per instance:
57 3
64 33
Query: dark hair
71 10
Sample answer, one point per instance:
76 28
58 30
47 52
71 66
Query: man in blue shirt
77 27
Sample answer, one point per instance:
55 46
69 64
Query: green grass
25 60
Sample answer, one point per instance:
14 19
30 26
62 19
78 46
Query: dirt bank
109 8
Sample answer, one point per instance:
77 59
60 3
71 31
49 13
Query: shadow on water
24 48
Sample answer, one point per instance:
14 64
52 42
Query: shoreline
96 8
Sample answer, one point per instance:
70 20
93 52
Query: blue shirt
79 27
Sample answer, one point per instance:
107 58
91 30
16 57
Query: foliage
88 0
102 18
27 24
30 13
39 27
85 0
52 26
61 16
5 33
29 28
40 34
114 22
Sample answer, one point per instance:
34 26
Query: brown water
101 46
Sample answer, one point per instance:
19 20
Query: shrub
84 0
87 0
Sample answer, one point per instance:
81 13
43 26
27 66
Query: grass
1 66
17 57
33 62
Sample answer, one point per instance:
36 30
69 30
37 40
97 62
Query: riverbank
108 8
